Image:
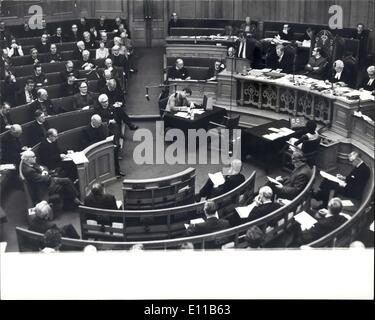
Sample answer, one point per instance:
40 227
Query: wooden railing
159 223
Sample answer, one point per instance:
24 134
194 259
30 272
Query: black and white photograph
187 150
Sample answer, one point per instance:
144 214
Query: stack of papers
306 43
305 220
78 157
278 133
4 167
194 221
182 115
244 212
347 203
217 178
331 177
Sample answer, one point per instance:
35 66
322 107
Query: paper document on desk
347 203
286 131
9 166
274 181
217 178
274 129
182 114
306 43
78 157
244 212
198 111
196 221
305 220
331 177
271 136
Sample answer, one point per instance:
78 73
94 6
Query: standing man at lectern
245 47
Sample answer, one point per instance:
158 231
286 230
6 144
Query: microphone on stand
146 95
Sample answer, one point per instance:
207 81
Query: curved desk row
29 240
157 223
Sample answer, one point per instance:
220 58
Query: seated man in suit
352 185
89 43
86 63
58 36
41 126
43 45
69 69
331 221
97 131
368 82
118 59
53 56
5 120
215 70
263 204
316 66
342 75
232 180
77 53
97 198
74 35
211 224
286 33
178 71
291 186
284 59
12 146
39 76
43 184
310 134
178 101
115 73
27 94
44 103
84 99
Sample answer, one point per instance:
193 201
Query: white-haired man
178 71
89 44
368 82
77 53
12 146
42 184
86 63
341 74
44 103
233 178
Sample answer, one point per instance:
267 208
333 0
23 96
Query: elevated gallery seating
157 193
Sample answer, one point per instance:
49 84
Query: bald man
263 204
178 71
12 146
233 179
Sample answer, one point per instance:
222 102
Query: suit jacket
251 45
114 96
77 54
182 73
46 106
92 135
106 201
49 154
119 61
321 63
231 182
364 84
71 37
57 39
53 57
11 149
64 75
286 62
43 48
38 183
295 183
40 131
263 210
356 181
39 79
21 97
322 228
346 76
80 101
